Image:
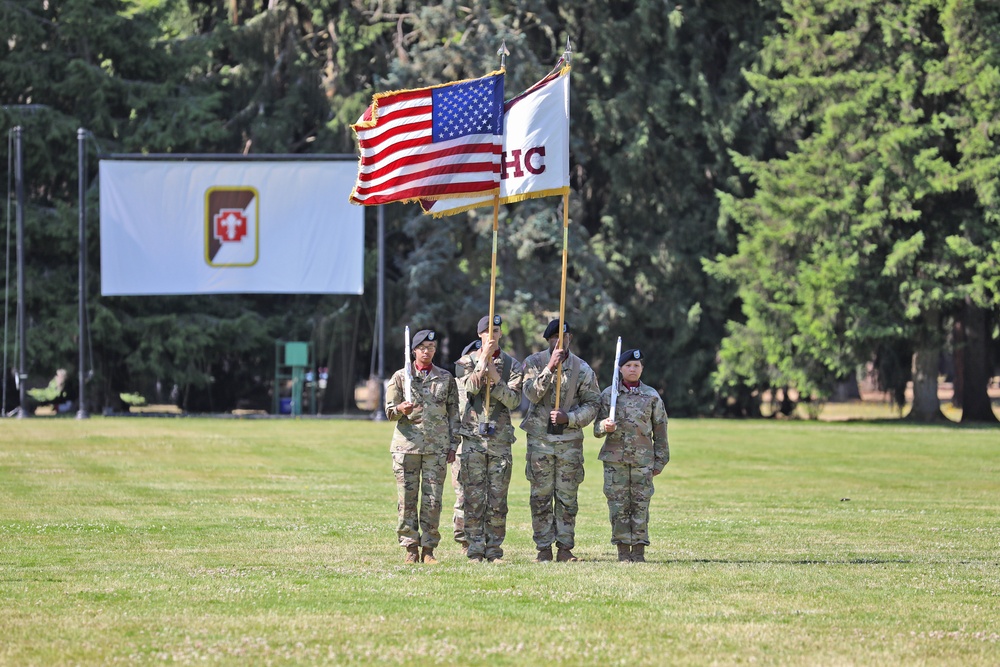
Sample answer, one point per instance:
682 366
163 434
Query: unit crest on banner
231 226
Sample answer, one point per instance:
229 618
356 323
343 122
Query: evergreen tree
853 241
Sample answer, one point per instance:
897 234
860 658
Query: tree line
765 194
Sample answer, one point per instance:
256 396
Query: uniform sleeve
393 397
603 412
537 381
454 419
472 379
589 394
463 374
661 449
509 392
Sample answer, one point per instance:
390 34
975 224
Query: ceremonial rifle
614 381
408 375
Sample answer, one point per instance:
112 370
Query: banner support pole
380 314
81 143
22 370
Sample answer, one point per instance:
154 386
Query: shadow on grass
799 561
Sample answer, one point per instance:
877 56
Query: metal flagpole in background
81 143
22 372
380 314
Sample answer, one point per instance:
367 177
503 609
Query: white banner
199 227
535 148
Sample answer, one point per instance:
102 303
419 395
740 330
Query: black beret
553 329
474 345
630 355
484 323
421 336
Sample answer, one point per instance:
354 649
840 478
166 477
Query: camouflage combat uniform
458 512
420 447
632 454
487 460
555 462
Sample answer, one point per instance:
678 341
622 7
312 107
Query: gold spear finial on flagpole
503 53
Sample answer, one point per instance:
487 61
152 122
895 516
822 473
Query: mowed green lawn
197 541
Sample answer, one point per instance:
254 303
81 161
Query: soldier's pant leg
498 471
433 474
541 474
569 476
458 516
474 482
642 492
616 489
406 467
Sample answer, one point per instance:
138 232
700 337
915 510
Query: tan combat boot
412 554
565 556
429 558
638 553
623 554
465 548
544 555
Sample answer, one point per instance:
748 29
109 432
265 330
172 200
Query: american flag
535 147
431 143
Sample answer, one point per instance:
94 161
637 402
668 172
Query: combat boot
623 554
465 548
412 554
544 555
565 556
429 558
638 553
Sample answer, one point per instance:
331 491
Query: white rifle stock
408 375
614 381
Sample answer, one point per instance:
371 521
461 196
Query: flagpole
567 56
562 293
493 293
503 53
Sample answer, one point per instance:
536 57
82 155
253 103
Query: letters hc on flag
431 143
535 147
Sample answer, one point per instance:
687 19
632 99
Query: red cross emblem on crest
230 225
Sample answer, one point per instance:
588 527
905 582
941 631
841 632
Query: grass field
196 541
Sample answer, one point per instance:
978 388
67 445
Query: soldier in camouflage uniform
486 440
555 460
458 515
424 442
634 452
